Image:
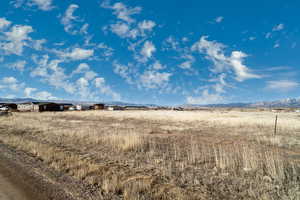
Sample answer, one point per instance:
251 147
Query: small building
40 107
11 106
112 108
99 106
66 106
78 107
28 107
50 107
82 107
72 108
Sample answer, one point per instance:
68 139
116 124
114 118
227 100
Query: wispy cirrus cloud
45 5
73 24
4 23
282 85
18 65
278 27
121 11
69 18
219 19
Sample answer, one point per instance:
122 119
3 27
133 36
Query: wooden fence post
275 128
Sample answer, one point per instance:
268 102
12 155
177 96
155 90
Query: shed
50 107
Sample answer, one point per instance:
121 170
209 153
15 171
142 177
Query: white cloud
126 26
19 65
219 19
84 28
122 11
68 19
82 67
220 84
19 33
83 86
9 80
38 44
44 95
223 65
158 66
45 5
282 85
50 72
276 45
76 54
105 89
107 51
278 27
153 79
187 64
4 23
122 30
125 30
89 75
28 92
171 43
214 52
241 71
147 51
17 3
268 35
123 71
206 98
210 94
16 39
146 25
10 83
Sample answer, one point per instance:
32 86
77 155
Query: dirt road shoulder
30 178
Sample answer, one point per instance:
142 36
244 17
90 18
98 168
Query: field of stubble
165 154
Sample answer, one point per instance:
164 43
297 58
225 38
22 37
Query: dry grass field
166 154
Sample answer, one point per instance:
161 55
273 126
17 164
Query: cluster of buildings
49 106
36 106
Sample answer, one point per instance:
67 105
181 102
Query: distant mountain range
286 103
290 102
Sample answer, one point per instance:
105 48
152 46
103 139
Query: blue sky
162 52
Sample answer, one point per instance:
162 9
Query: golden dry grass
166 154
